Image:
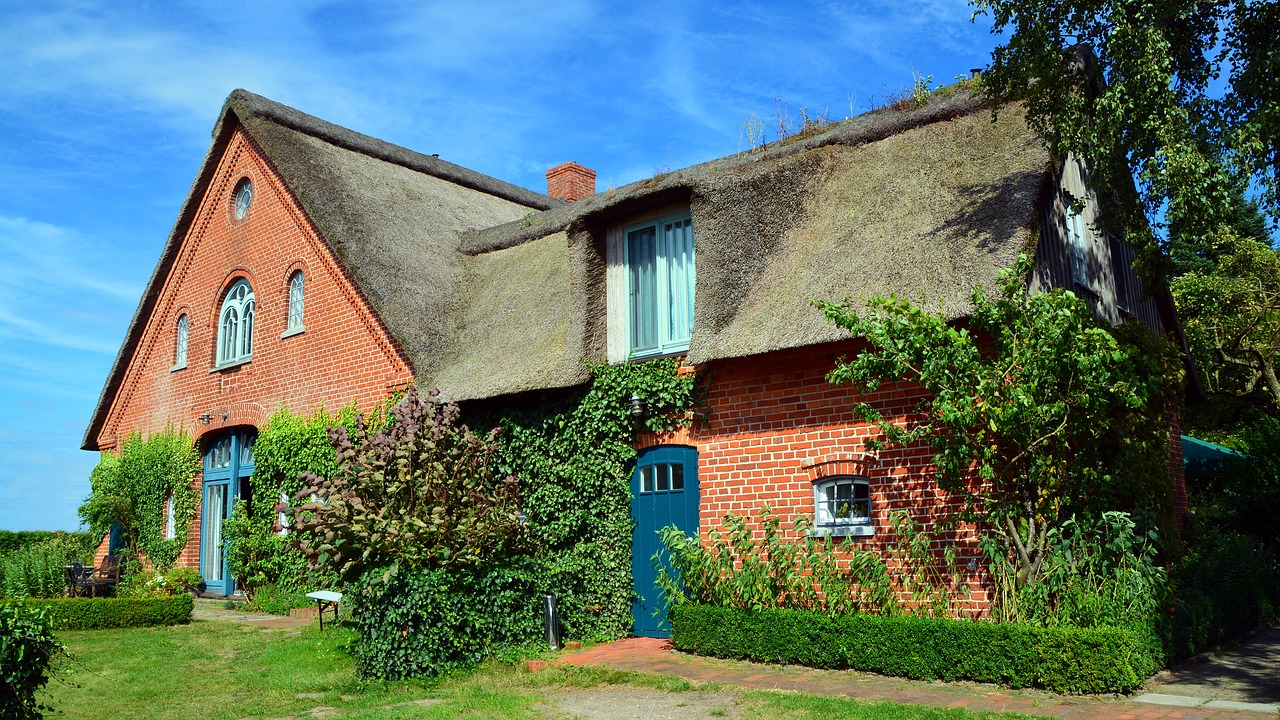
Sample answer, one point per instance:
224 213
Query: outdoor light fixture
637 406
206 417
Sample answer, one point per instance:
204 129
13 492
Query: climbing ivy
573 454
131 486
288 446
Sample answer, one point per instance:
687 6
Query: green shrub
27 647
11 540
426 622
99 613
39 570
149 583
1225 586
1062 659
275 600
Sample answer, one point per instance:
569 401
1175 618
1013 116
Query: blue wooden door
228 464
664 491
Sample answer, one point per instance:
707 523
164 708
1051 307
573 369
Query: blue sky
106 109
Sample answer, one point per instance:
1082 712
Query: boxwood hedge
1062 659
98 613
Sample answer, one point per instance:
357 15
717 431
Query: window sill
230 366
843 531
1082 287
295 331
177 367
632 357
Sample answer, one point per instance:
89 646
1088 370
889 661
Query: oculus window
241 197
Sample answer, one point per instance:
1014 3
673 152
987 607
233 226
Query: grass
221 669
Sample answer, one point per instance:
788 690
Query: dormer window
235 325
659 260
297 294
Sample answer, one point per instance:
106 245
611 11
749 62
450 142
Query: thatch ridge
857 131
249 105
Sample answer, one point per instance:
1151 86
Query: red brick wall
343 356
776 425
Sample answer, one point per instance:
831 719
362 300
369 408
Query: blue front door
664 491
228 464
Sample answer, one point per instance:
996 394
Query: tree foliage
131 487
1231 314
1034 411
1134 86
419 494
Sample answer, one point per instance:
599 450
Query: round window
242 196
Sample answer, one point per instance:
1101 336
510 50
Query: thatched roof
492 289
924 203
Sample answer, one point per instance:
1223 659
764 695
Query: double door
228 465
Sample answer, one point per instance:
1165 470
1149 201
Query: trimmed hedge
428 622
99 613
1062 659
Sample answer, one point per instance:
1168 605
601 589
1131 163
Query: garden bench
325 596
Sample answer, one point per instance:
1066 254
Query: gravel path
628 702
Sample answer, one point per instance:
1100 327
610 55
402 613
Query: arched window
297 293
235 325
180 344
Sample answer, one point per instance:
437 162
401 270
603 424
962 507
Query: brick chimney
571 181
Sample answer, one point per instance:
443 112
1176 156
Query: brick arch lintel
679 436
239 414
841 464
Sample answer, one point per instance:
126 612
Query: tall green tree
1182 96
1035 412
1230 311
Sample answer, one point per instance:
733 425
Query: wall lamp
206 417
637 406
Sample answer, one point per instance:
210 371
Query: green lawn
218 669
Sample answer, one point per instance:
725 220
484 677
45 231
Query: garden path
656 656
1248 673
213 610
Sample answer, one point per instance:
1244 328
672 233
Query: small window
1078 239
659 258
297 294
235 325
170 525
180 343
842 505
241 198
282 520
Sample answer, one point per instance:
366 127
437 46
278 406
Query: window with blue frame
1078 240
235 325
659 260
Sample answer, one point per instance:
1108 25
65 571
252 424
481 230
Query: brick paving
649 655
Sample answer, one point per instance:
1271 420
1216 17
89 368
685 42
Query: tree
1231 314
1133 87
419 494
1034 411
